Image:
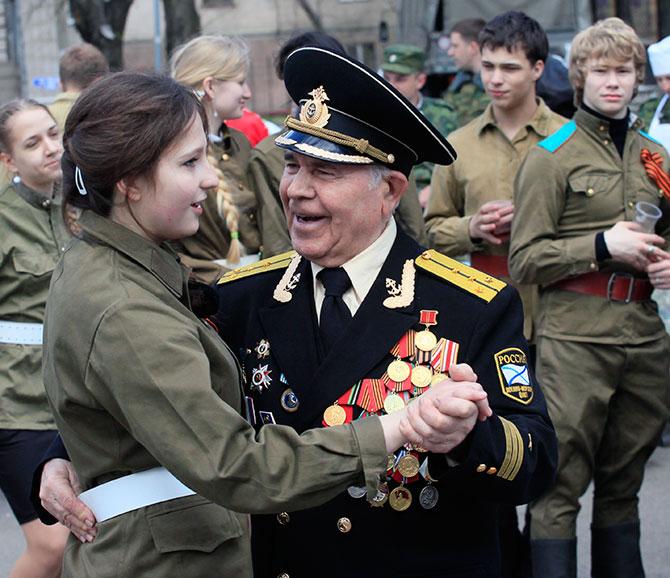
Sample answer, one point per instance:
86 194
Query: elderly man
361 320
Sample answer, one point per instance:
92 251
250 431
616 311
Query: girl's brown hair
118 128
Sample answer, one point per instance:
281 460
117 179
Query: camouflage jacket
439 113
466 96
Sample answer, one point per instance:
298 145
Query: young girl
136 381
33 237
216 68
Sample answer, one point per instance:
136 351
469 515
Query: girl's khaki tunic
136 380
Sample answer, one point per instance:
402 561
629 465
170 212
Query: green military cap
403 59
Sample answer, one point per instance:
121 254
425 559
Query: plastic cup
646 215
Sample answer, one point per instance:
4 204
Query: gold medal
393 403
334 415
425 340
421 376
408 466
438 377
398 371
400 499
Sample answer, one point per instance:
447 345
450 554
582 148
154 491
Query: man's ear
397 183
537 69
421 78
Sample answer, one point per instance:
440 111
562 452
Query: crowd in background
542 202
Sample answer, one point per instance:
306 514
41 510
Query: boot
554 558
615 551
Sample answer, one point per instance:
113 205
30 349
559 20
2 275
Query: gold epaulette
270 264
472 280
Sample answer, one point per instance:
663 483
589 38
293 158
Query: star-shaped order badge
260 378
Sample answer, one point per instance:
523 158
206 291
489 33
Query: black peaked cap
350 114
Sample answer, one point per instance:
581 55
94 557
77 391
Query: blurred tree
102 23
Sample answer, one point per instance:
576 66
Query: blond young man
602 350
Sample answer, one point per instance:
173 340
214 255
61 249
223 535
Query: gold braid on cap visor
360 144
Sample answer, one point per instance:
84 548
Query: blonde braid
227 210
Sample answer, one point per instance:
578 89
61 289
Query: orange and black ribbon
653 164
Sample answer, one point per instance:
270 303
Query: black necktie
334 312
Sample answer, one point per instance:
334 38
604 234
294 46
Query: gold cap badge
315 112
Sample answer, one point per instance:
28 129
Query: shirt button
225 157
593 266
283 518
590 192
46 203
606 141
491 471
631 204
240 185
344 525
481 468
602 128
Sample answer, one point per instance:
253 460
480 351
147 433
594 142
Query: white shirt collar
362 270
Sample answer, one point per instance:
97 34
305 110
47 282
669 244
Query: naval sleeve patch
512 366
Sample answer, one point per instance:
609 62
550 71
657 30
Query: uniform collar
161 261
32 197
600 125
539 122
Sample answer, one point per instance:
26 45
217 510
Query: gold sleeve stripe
513 459
277 262
476 282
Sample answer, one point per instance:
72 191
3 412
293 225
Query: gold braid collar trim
271 264
360 144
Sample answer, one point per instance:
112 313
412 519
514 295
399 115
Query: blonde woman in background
216 68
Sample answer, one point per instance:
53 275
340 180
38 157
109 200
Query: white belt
133 492
21 333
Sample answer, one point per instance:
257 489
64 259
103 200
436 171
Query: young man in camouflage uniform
403 67
466 93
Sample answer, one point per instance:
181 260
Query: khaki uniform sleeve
536 254
448 228
157 384
271 219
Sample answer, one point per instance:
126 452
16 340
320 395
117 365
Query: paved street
655 508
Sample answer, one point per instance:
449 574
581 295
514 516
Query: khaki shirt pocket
191 523
33 263
590 200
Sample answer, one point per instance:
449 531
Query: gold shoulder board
270 264
472 280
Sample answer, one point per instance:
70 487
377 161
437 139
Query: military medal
428 497
400 499
289 401
334 415
425 340
393 403
437 377
398 370
421 376
444 355
408 466
356 491
260 378
262 349
381 496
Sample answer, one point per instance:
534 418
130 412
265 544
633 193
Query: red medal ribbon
428 317
444 355
653 164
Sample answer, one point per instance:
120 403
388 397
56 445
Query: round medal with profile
398 370
334 415
393 403
408 466
421 376
425 340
